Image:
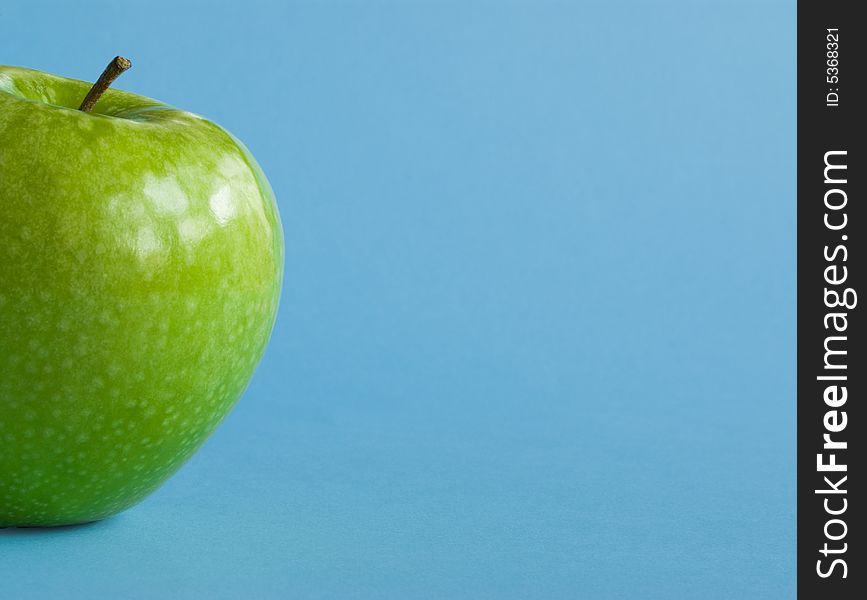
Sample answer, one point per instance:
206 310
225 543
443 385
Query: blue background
537 336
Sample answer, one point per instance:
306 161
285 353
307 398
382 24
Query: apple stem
114 69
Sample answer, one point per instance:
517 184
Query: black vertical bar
832 372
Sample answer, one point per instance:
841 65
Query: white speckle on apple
193 229
222 206
146 242
165 195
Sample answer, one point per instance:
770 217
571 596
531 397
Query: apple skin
141 260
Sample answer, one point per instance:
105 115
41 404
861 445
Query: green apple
141 259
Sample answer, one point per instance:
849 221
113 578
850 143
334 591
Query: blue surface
537 336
